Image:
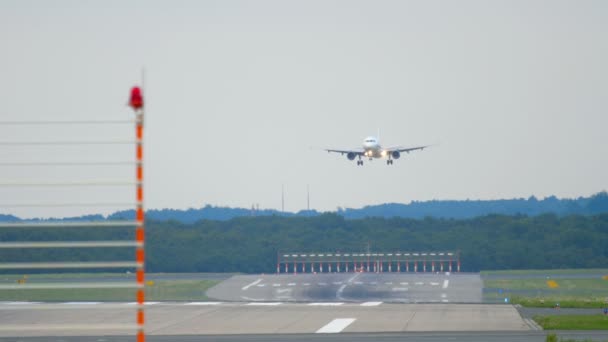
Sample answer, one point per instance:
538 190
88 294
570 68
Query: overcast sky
242 94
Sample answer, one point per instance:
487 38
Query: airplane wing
405 149
356 152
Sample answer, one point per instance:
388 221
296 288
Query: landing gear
389 162
360 162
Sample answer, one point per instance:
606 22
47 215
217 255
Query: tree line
251 244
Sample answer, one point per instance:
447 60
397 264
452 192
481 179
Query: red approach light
137 100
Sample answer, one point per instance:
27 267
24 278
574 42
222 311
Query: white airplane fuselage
372 148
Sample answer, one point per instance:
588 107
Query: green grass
545 272
564 302
573 292
573 322
161 290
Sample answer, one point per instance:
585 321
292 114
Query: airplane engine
351 156
396 154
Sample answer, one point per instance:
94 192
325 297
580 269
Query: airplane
372 149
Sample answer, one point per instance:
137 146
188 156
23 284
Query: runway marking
264 304
81 303
336 326
145 303
250 285
404 283
203 303
388 283
443 295
374 283
444 300
434 284
306 284
321 284
371 303
340 290
337 283
20 303
261 285
291 284
358 283
419 283
326 304
283 290
445 284
400 288
276 285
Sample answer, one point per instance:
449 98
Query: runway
220 318
500 336
353 287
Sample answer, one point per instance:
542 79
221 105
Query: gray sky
515 94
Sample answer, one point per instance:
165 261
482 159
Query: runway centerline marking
291 284
203 303
276 285
264 304
434 284
326 304
81 303
445 284
371 303
443 295
336 326
252 284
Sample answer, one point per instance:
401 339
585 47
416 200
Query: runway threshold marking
336 326
252 284
445 284
371 303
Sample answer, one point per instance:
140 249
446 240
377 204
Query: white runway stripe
264 304
81 303
371 303
445 284
203 303
336 326
326 304
20 303
145 303
250 285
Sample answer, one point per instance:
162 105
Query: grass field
573 322
545 272
159 290
545 288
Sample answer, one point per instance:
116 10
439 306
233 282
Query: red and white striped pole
137 103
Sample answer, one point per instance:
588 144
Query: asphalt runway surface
304 307
220 318
352 287
501 336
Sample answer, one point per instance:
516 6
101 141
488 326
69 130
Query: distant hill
532 206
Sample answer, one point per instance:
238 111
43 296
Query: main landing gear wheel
359 162
389 162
